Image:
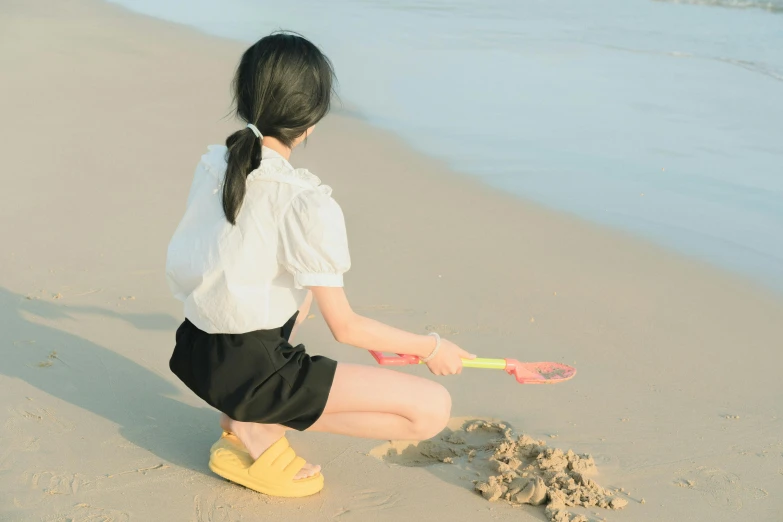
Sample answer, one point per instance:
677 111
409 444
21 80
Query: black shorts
256 376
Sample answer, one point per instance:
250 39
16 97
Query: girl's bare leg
367 402
258 437
376 403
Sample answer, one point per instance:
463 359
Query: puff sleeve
314 242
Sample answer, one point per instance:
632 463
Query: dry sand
104 115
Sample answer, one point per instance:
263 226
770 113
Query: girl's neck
277 146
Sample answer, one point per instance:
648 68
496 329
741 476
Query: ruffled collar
274 167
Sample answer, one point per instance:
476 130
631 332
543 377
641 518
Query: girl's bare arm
348 327
304 311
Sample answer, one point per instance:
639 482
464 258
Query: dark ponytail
244 156
283 85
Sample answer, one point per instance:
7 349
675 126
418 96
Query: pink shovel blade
539 372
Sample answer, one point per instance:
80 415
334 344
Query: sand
511 467
106 113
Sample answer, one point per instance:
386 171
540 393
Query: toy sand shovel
523 372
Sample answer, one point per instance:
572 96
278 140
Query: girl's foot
257 438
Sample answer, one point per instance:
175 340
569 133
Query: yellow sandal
272 473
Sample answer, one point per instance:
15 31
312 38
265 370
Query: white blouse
289 235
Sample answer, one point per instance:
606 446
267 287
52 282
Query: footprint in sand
52 483
45 416
229 503
442 329
87 513
43 486
725 489
368 501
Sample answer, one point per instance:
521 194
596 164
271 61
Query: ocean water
661 118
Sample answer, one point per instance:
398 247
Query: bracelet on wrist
434 352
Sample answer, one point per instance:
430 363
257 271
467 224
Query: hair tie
255 130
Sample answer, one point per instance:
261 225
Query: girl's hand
448 360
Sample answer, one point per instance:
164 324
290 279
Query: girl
258 241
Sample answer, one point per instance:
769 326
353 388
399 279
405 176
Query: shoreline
667 348
681 197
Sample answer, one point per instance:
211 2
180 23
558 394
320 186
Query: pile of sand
515 468
529 472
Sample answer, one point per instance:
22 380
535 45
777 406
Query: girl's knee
434 412
444 405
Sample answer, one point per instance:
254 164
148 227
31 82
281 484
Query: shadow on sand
102 381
